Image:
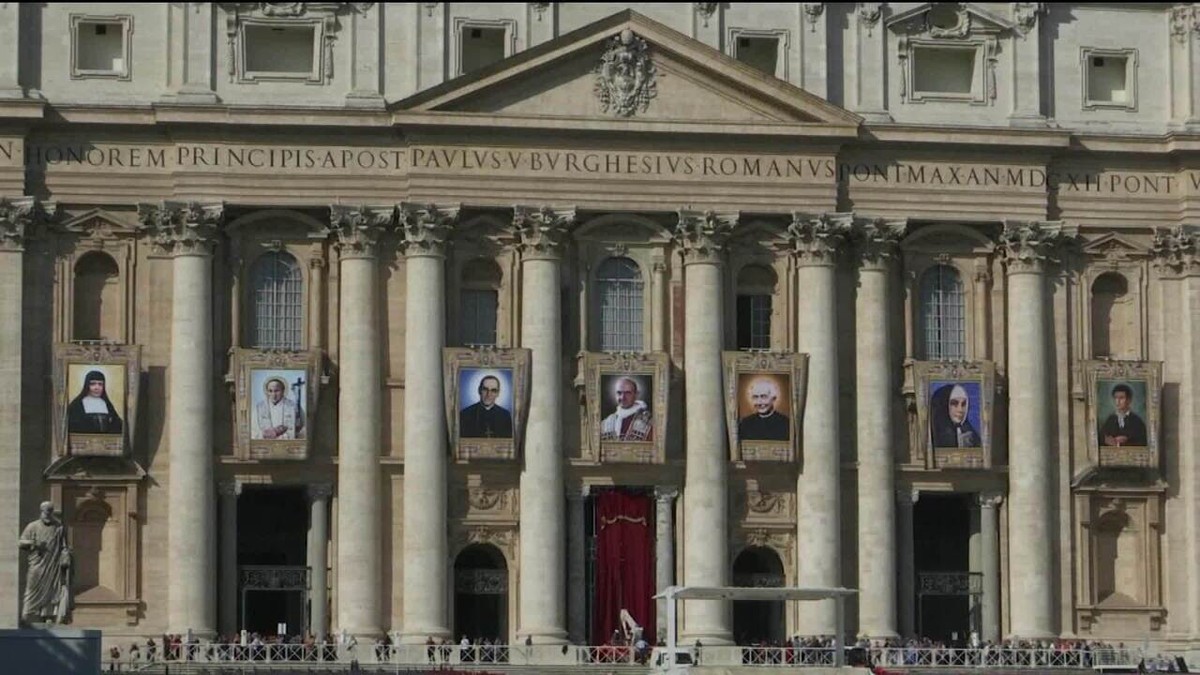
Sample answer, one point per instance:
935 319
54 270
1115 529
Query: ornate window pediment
284 41
948 52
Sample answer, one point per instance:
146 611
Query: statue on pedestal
48 579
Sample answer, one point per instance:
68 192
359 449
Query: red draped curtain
624 563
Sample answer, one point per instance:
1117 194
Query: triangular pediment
948 20
653 74
99 223
1113 245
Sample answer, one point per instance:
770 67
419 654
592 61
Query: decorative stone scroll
182 228
358 228
277 395
817 240
542 231
17 218
425 228
955 408
764 403
701 235
95 399
487 396
626 397
1124 407
877 240
626 77
1176 249
1029 245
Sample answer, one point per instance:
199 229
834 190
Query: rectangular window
754 322
479 309
1109 78
480 46
100 47
944 71
760 53
280 51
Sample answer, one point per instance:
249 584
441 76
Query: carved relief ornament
1185 21
17 218
183 228
1029 245
358 228
1025 15
701 235
425 228
817 240
878 239
812 14
542 231
626 79
1175 249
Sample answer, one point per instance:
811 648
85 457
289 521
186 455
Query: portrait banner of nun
98 389
955 407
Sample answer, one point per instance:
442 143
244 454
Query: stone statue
48 580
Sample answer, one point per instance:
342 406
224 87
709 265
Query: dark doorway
481 594
758 622
272 564
942 548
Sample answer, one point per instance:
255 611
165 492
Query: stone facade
1042 160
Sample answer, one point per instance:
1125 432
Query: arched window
481 593
755 288
278 302
95 550
97 304
943 314
1118 562
619 287
479 296
1113 320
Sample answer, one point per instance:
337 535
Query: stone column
425 546
905 500
989 554
867 87
815 246
577 566
316 300
188 233
700 237
1031 462
10 54
318 558
542 610
875 394
228 581
664 547
17 217
360 415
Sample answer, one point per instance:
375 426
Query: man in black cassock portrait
1123 427
486 419
766 423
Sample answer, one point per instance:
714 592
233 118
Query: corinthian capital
17 219
1177 249
426 228
878 239
816 240
542 231
183 228
701 235
358 228
1029 245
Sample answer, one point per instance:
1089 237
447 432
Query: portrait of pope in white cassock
276 416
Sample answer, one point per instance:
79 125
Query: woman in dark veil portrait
951 426
91 412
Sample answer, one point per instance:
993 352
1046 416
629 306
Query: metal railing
615 656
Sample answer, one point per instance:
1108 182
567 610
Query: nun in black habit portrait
951 426
91 412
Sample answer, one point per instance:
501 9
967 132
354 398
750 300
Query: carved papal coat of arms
625 78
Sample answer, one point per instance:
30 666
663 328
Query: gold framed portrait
626 397
1124 404
96 392
277 395
487 394
764 404
955 409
